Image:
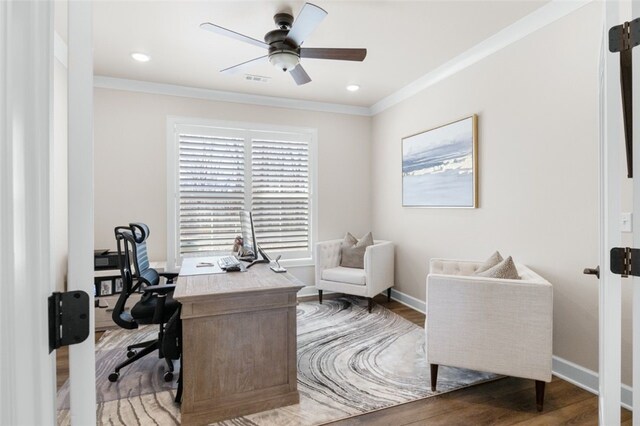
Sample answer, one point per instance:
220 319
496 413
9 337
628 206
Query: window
215 172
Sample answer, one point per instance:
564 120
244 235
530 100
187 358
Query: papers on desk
201 266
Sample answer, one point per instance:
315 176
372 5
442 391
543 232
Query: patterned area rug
142 377
350 362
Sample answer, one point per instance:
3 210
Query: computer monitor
249 246
251 250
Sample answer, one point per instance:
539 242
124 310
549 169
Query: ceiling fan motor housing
275 36
281 55
283 20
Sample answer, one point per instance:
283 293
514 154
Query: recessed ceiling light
353 87
140 57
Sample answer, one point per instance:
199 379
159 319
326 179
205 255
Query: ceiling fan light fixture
284 44
353 87
283 60
140 57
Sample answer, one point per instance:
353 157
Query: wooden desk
239 343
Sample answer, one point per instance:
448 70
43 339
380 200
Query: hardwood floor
62 362
509 401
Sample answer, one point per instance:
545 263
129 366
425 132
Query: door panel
27 387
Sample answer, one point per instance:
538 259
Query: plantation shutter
280 193
211 190
220 171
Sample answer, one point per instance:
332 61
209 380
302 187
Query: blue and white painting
438 167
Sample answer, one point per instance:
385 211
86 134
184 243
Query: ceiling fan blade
330 53
300 75
308 19
243 66
225 32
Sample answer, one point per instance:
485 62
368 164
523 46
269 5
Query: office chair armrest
170 276
160 289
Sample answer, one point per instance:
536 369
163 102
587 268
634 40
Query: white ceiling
404 39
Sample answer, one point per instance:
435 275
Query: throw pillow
505 270
492 261
352 250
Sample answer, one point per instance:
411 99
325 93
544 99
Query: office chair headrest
140 232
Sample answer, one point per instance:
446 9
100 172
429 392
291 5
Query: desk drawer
235 303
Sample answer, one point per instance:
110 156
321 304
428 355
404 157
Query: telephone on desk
278 268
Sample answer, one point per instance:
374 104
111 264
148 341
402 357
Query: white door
27 370
82 375
612 174
610 209
635 13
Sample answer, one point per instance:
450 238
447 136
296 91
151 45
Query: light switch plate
626 222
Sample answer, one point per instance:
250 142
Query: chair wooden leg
320 296
434 376
539 394
389 294
370 303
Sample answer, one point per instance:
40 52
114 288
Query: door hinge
68 318
623 38
625 261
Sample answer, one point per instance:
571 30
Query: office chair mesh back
140 258
132 244
156 305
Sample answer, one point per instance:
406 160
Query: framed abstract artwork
439 166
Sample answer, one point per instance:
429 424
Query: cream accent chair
487 324
376 277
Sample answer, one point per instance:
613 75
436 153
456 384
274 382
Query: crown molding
529 24
218 95
538 19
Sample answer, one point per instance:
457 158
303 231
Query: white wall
538 172
130 162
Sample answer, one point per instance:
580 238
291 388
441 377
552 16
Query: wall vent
257 78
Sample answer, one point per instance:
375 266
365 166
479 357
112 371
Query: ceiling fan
284 44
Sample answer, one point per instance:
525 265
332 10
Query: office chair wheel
131 353
113 377
168 376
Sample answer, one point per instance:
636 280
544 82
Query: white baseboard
573 373
626 394
405 299
409 301
587 379
309 290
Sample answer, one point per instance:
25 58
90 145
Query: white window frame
177 124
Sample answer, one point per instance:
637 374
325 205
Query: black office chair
156 305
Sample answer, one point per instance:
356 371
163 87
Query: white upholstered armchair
495 325
376 277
